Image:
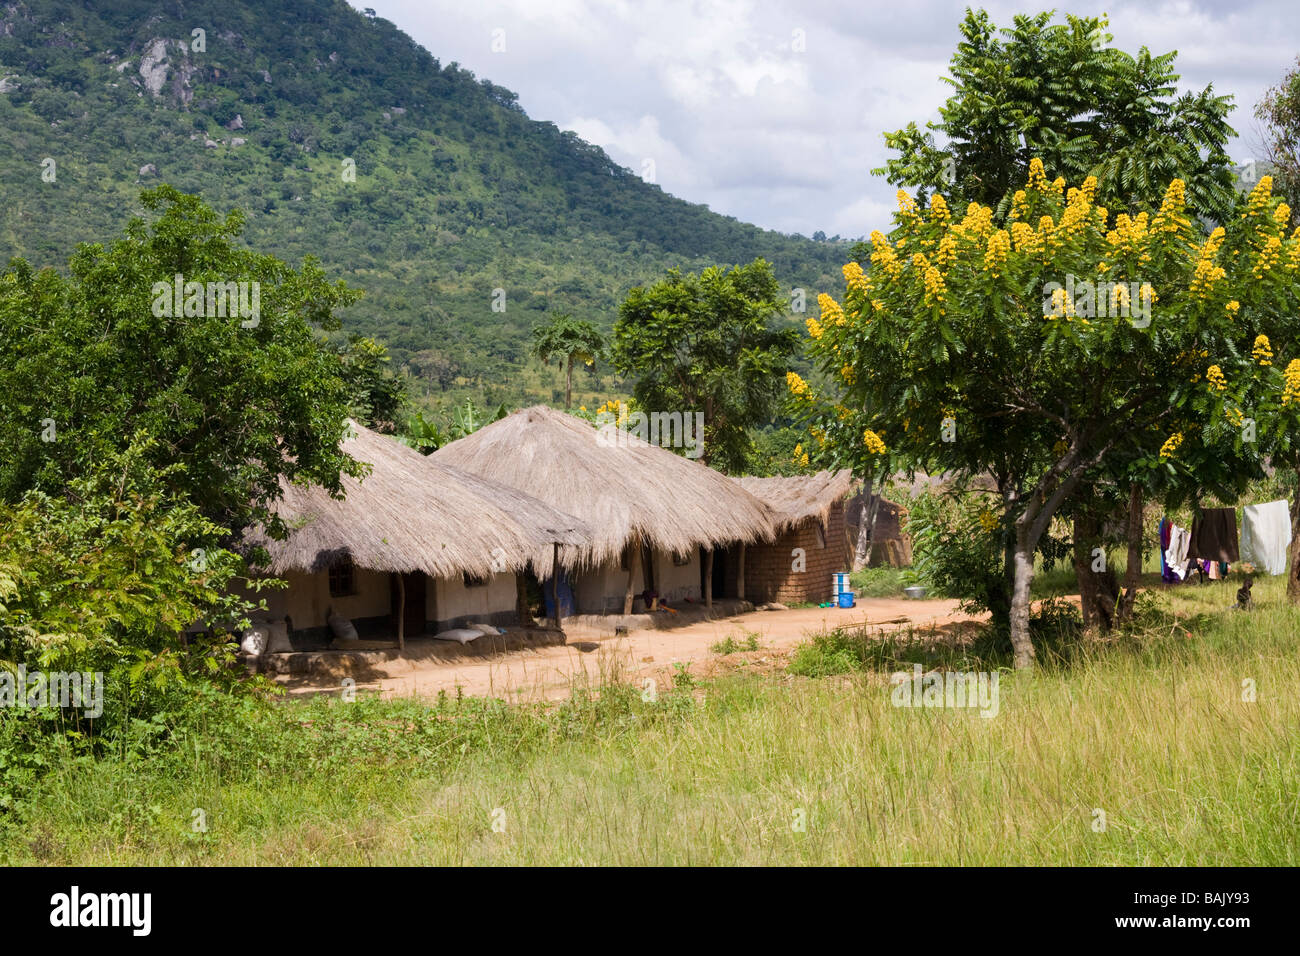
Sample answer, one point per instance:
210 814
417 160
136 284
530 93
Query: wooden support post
633 572
708 578
521 601
401 611
740 572
555 584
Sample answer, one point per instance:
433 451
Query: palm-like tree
566 338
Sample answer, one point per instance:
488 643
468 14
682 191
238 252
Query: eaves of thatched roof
797 498
413 514
621 486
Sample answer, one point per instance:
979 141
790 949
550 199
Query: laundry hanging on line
1266 536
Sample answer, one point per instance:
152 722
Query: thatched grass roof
620 485
797 498
413 514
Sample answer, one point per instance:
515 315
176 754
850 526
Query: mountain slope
456 192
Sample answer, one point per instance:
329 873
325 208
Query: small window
343 578
474 580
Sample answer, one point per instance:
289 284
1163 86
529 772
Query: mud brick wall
769 575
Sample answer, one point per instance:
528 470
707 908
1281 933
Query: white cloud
734 116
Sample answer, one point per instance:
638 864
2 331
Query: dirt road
590 652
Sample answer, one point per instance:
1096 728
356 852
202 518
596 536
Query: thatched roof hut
413 514
622 486
796 498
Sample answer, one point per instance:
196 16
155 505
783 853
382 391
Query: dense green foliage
708 343
1055 91
456 193
87 365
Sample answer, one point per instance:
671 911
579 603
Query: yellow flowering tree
1070 342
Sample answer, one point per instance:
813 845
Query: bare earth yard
550 672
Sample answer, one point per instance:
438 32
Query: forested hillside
456 192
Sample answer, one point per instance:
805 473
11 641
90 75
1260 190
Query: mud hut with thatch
812 542
656 518
414 546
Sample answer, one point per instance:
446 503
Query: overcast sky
772 112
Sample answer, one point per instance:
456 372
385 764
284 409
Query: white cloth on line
1266 535
1180 541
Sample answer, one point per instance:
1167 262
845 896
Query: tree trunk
740 572
1098 590
708 578
866 527
568 385
1132 573
1293 575
1021 644
633 572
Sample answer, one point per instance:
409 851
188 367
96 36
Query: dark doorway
415 585
719 571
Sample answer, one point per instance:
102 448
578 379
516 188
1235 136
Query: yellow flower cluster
1282 214
800 456
1268 257
1215 380
1233 308
995 255
1062 306
1019 205
935 289
873 442
1119 299
989 521
1129 232
820 435
1171 218
1259 196
946 252
856 278
798 387
832 314
1058 185
1263 350
1206 273
939 211
906 204
883 255
814 327
1147 295
1291 393
977 223
1171 445
849 374
1025 238
1060 447
1037 178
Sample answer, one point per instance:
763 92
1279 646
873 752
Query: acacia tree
567 339
1059 93
1045 349
707 343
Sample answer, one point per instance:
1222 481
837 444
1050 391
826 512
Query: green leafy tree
1058 92
1038 354
376 396
1279 111
235 402
706 342
567 340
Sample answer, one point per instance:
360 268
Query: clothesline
1213 542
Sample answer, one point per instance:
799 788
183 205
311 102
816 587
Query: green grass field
1150 728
